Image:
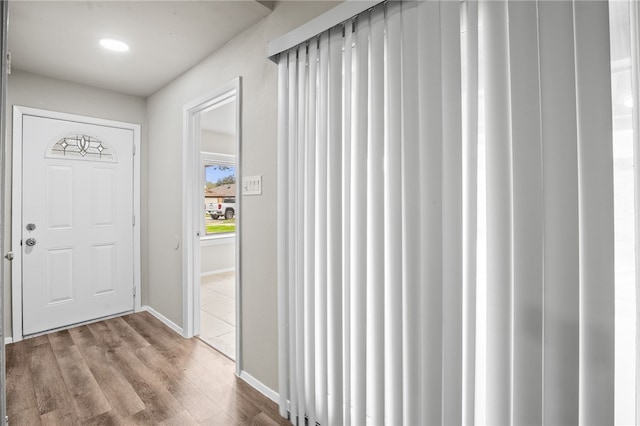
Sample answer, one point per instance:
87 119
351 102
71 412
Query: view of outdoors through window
219 198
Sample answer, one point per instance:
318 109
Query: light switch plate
252 185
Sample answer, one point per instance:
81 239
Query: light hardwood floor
129 370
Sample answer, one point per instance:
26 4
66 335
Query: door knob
31 242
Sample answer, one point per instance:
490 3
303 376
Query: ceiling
60 38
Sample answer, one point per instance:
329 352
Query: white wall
219 143
244 56
217 256
31 90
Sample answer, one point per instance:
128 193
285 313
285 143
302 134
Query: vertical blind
404 298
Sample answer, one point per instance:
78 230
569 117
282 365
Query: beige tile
228 340
227 288
217 313
207 296
213 326
219 304
229 317
225 343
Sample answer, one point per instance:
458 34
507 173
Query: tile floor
218 312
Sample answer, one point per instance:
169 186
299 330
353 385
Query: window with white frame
219 195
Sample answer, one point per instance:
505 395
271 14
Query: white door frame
191 214
4 11
16 203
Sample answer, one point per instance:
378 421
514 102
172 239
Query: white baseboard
217 271
8 340
259 386
166 321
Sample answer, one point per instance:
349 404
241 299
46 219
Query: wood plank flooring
130 370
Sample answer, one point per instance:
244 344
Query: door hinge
134 220
134 149
8 62
134 291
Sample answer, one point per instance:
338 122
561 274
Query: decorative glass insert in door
81 147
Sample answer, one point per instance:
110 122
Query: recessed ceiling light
628 101
113 44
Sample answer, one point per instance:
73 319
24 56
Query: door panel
78 192
60 284
59 195
104 263
103 193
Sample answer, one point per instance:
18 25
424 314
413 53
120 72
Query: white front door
77 230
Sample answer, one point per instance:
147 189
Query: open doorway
212 219
217 237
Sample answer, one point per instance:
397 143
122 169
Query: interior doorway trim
16 204
191 214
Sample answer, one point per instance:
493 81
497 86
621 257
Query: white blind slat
346 219
561 273
634 30
527 214
595 155
410 173
452 213
375 224
321 236
470 78
393 219
292 234
430 122
310 241
499 231
334 230
299 223
358 239
283 289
